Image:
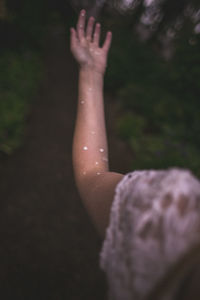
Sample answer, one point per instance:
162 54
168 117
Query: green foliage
130 125
19 77
21 38
131 61
159 102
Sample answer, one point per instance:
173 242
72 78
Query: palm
85 49
87 54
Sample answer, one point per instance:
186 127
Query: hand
85 48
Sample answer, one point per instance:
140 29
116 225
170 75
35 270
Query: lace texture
154 220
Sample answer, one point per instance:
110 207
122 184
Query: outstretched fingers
79 34
107 43
90 29
97 34
81 25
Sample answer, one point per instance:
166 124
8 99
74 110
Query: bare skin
90 150
85 45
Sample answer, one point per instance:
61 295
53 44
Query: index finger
81 24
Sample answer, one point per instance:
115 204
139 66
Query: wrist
90 69
91 77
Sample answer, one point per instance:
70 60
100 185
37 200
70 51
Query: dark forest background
49 248
153 73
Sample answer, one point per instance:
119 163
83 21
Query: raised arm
90 151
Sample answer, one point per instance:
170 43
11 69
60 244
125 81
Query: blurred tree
3 12
159 100
152 19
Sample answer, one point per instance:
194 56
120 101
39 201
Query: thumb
107 43
73 38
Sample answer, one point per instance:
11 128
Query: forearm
90 150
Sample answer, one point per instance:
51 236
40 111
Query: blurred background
49 249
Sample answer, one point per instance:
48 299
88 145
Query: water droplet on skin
84 173
81 26
82 102
98 173
85 148
101 150
105 159
96 163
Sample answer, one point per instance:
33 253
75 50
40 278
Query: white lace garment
154 219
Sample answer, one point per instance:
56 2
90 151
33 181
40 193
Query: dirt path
49 248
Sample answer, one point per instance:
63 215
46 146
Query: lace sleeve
154 219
